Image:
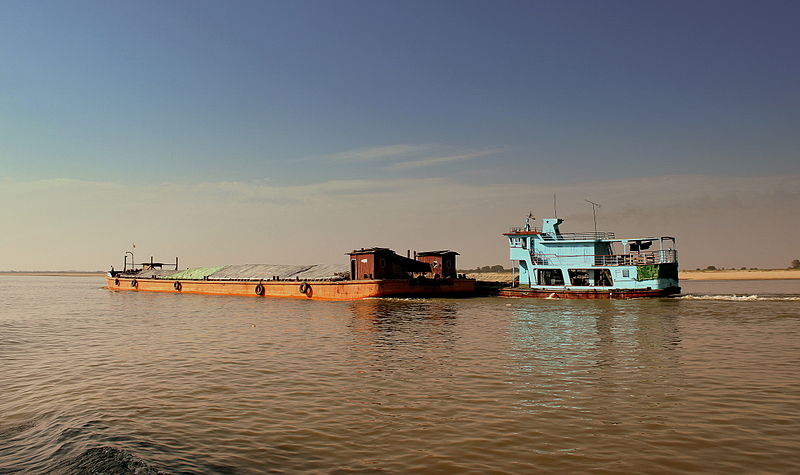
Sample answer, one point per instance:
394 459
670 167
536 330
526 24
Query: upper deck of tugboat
551 233
550 246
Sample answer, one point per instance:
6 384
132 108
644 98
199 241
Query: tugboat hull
516 292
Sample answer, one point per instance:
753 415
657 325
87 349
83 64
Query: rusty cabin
383 263
442 263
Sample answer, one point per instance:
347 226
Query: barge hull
516 292
338 290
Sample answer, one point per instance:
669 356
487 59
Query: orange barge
383 274
343 290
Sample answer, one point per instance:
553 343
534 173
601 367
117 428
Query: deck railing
592 236
562 236
669 256
521 229
634 259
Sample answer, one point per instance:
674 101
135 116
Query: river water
125 382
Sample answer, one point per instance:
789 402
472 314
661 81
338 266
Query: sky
291 132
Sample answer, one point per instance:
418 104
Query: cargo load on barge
589 265
374 272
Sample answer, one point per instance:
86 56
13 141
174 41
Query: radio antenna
594 214
555 212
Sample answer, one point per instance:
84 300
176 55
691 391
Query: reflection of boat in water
376 272
590 265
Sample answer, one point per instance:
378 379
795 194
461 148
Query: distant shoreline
733 274
55 274
756 274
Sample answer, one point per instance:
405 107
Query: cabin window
626 273
590 277
604 278
550 277
383 263
579 276
448 264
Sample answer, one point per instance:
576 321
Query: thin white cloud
371 154
408 156
427 162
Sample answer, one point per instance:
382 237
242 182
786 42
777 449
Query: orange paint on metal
340 290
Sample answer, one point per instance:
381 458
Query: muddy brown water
130 382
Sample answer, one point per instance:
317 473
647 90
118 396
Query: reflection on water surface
185 383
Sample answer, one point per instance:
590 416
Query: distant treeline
52 272
794 265
497 268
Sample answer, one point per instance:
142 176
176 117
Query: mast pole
555 212
594 214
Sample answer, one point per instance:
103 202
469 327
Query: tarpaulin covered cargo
249 272
196 273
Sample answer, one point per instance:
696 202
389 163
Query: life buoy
116 282
259 289
134 283
304 288
177 285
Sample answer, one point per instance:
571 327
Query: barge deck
374 272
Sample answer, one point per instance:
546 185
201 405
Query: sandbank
754 274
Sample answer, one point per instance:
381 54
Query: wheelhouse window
518 242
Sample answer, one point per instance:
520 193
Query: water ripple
97 381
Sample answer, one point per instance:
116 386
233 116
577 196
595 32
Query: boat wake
742 298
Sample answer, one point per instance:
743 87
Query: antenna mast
555 213
594 214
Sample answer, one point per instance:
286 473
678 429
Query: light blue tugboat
590 265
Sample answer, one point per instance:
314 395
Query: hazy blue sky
356 99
